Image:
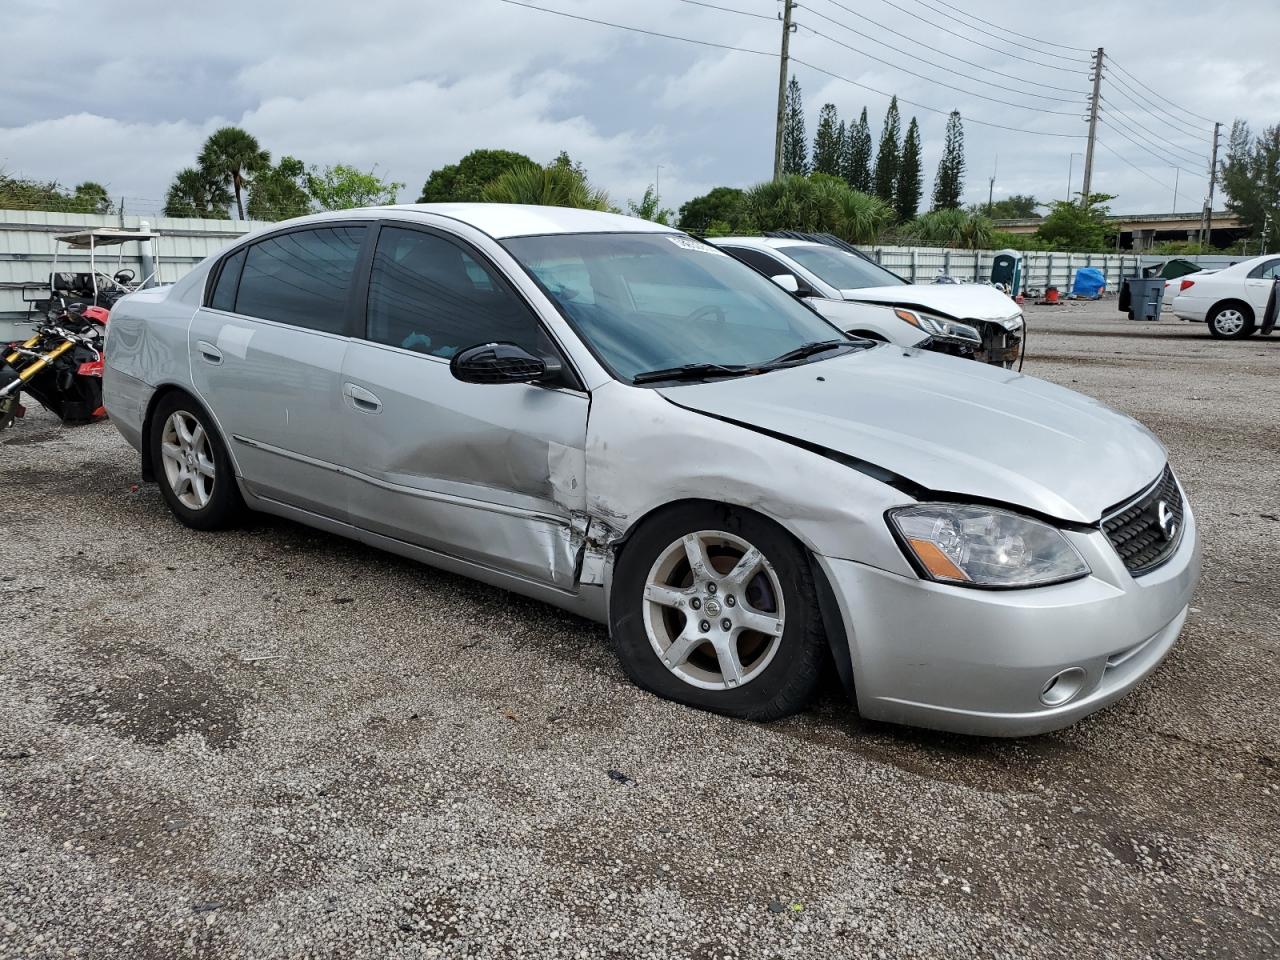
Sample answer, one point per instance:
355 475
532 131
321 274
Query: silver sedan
621 420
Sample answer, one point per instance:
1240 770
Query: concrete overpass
1143 230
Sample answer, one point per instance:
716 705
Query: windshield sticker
685 243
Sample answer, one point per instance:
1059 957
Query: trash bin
1006 269
1146 297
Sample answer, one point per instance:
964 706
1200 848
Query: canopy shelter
98 237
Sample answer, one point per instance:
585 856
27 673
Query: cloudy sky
124 93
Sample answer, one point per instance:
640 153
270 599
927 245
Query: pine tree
949 184
906 198
884 179
826 142
857 168
795 155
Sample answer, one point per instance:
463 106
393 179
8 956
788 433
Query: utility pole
991 183
1093 128
782 87
1176 172
1207 219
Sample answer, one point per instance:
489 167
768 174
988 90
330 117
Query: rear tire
192 467
716 608
1231 321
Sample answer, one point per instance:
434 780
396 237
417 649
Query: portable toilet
1006 269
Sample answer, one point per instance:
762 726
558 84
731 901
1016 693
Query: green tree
649 208
795 155
951 227
722 205
91 197
561 183
193 193
1078 226
464 181
280 192
1251 180
948 186
233 157
19 193
820 203
857 160
1017 206
342 187
827 142
884 178
910 186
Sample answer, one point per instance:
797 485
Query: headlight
1012 323
938 327
984 547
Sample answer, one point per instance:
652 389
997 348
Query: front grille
1146 530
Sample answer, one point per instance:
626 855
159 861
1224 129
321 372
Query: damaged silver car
621 420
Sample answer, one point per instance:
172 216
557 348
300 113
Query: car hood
960 301
950 426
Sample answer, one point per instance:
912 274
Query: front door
492 474
266 358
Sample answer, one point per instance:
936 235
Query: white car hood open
960 301
951 426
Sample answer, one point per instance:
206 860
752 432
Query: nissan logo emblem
1165 519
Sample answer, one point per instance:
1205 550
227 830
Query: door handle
208 352
361 399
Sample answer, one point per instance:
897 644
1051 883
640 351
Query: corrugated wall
27 242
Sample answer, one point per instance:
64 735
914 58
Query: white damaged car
967 320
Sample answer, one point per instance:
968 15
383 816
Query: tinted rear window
302 278
224 294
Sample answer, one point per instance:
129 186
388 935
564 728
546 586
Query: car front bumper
978 661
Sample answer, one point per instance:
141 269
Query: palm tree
554 185
194 194
232 157
951 227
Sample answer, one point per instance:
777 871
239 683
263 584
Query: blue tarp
1089 283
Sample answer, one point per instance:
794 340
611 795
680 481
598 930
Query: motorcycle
60 365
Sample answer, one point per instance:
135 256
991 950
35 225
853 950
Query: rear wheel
716 608
195 474
1231 321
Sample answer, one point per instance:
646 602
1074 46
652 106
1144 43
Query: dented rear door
489 473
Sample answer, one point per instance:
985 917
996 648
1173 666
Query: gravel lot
274 742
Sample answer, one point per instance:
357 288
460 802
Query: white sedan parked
1231 301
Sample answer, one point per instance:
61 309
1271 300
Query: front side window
429 294
646 302
841 269
301 278
761 261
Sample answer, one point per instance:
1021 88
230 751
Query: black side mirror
497 363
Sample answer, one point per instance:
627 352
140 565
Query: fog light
1063 687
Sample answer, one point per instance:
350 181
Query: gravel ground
273 742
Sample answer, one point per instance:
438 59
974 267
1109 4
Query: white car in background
1232 300
973 320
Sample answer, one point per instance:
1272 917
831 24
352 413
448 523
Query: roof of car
774 242
523 220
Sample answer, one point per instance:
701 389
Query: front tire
193 469
1231 321
716 608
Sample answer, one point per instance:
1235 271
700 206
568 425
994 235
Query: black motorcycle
60 365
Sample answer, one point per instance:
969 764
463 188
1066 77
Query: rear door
488 473
1259 283
266 358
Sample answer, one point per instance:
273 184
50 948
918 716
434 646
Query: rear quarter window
224 289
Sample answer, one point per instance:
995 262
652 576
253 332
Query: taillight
1186 285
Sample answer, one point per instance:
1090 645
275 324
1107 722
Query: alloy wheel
188 460
713 610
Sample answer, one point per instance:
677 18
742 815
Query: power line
908 37
1186 152
649 33
741 13
1146 149
1158 96
937 110
941 83
1133 96
1153 179
976 43
967 76
999 26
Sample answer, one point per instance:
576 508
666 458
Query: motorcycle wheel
8 410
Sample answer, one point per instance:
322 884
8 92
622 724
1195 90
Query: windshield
843 270
647 302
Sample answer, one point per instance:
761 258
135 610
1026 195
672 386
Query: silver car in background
613 417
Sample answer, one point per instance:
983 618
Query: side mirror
497 363
787 282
